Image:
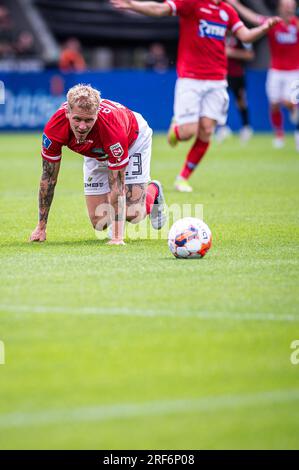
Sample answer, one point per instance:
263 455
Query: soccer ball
189 238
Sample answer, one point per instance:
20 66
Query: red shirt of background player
284 45
203 28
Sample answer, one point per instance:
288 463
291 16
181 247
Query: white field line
139 312
153 408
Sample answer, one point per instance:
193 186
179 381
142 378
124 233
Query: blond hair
84 96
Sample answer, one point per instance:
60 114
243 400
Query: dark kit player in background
238 54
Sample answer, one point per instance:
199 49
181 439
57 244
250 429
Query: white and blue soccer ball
189 238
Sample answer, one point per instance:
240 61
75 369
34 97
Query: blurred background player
157 59
201 98
238 54
71 58
116 145
283 75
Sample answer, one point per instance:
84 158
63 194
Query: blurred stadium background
43 53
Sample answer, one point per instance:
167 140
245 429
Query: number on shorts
137 163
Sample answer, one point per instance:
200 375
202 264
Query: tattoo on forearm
120 213
117 195
116 181
121 182
48 170
47 187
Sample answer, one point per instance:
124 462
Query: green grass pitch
129 348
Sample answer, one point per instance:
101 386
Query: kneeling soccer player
116 145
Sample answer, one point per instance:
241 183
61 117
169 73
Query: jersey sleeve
234 21
51 148
180 7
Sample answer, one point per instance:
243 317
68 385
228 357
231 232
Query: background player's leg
224 132
199 148
297 137
294 118
277 124
242 105
275 88
186 110
179 133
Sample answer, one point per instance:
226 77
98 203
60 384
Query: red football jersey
203 28
113 133
284 45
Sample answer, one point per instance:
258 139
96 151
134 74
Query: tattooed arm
46 192
118 204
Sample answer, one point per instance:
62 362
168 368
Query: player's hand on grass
38 234
121 4
116 242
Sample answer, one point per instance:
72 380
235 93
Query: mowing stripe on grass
139 312
157 408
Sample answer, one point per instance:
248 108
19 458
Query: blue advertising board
27 100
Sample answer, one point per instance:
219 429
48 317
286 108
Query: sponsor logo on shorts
46 141
208 29
102 164
117 150
93 185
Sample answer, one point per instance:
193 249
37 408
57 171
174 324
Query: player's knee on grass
135 214
99 223
98 211
101 218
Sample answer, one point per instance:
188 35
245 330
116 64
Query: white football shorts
200 98
95 173
280 85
